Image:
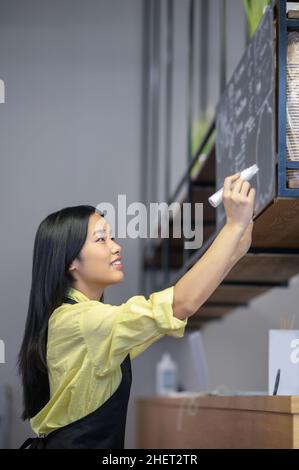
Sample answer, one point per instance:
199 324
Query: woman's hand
238 200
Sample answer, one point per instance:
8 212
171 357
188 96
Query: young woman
76 351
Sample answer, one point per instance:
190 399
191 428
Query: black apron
104 428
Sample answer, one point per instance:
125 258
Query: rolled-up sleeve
111 332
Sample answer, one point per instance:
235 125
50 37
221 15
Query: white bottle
166 375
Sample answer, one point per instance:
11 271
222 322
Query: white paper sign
283 362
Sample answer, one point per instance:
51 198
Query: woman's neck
92 292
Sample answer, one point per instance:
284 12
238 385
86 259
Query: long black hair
58 241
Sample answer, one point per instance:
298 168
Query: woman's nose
117 247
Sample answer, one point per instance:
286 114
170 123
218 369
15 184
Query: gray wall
237 347
69 128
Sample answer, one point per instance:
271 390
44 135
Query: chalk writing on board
245 120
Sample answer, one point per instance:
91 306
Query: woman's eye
101 238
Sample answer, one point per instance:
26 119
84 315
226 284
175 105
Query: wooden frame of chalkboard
284 26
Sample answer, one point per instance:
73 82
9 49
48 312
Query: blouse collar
77 295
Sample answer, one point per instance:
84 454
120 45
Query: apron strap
26 443
34 443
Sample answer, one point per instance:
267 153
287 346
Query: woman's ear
73 267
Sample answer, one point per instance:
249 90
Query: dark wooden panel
261 268
176 249
278 225
155 261
236 294
202 194
207 312
207 173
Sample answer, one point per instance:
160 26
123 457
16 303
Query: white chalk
245 175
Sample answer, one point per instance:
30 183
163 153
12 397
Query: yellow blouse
88 341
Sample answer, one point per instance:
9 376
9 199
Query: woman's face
97 254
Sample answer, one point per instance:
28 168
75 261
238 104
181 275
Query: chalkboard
245 118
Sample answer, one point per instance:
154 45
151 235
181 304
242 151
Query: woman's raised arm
232 242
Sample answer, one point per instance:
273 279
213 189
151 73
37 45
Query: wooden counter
207 422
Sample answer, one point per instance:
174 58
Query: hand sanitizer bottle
166 375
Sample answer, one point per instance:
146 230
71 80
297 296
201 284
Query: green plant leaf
254 12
